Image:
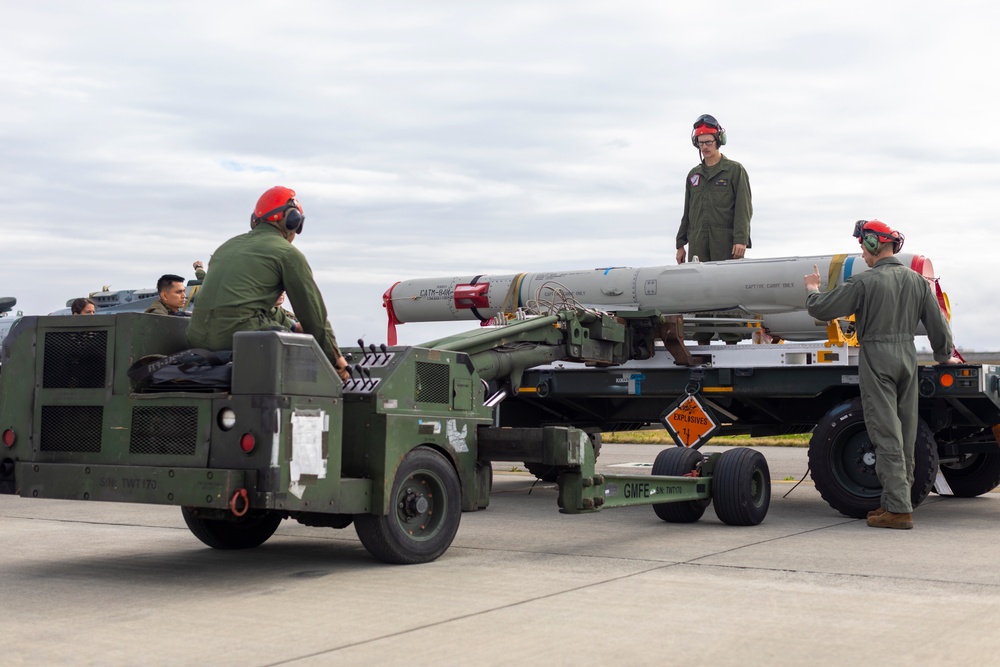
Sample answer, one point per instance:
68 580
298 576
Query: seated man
250 271
284 317
172 296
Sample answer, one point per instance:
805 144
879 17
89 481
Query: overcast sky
450 138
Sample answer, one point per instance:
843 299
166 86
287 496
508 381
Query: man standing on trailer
715 225
889 302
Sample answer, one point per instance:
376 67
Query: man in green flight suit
889 302
249 272
172 296
717 204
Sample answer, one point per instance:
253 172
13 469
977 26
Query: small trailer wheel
741 487
674 462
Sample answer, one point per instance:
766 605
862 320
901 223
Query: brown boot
880 510
889 519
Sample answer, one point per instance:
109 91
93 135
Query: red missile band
391 313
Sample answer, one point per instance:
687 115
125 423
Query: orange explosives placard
689 422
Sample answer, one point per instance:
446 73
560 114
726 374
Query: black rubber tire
842 461
675 462
246 532
974 476
741 487
424 512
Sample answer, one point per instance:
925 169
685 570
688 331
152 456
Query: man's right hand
813 280
681 255
341 368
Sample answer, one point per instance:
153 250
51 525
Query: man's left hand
739 250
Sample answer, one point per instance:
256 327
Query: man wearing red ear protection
715 225
249 272
889 302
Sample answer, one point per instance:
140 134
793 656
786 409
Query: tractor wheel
246 532
424 512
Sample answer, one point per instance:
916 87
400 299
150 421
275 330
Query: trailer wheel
246 532
974 476
741 487
842 461
424 512
677 461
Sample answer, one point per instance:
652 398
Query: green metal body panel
414 397
137 484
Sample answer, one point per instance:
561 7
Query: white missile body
768 290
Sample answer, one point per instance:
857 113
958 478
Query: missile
769 291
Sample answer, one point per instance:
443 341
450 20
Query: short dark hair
79 304
166 280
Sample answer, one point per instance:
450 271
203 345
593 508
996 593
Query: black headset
294 220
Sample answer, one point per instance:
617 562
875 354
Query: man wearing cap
249 272
888 302
717 205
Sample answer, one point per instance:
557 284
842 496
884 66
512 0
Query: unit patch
695 180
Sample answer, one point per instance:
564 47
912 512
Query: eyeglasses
706 143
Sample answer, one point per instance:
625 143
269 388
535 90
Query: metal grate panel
432 383
164 430
71 428
75 359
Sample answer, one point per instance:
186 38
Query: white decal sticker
456 438
307 449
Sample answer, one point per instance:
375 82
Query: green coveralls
158 308
246 276
717 211
889 301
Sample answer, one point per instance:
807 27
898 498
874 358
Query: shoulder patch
695 180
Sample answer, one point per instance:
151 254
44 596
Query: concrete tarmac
117 584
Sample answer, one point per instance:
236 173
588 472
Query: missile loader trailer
400 450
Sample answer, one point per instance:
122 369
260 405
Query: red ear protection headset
707 124
279 203
872 233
